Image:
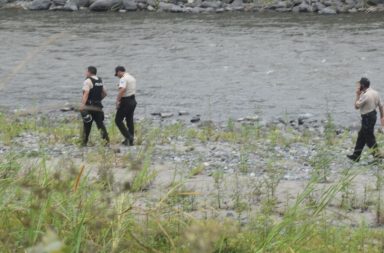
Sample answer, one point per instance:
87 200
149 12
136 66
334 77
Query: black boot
354 158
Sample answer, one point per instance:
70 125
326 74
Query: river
219 66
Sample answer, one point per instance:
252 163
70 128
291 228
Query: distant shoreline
323 7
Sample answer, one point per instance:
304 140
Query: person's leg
86 131
129 118
370 134
119 118
360 142
99 119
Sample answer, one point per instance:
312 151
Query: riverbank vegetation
164 196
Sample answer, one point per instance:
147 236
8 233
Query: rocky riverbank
326 7
230 169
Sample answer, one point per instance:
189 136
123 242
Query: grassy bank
135 200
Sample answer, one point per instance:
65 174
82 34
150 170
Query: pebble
195 119
182 113
166 115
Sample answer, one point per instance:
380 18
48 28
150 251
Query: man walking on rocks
125 105
91 107
367 100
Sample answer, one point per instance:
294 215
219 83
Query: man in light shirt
367 101
125 105
91 107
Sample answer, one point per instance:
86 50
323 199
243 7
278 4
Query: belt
369 113
130 97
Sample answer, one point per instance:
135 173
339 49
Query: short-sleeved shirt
88 85
369 101
128 82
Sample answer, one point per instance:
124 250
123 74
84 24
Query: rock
220 10
84 3
327 11
303 7
130 5
375 2
237 5
166 115
280 4
353 10
319 6
71 5
211 4
176 9
56 8
156 113
150 8
182 113
283 9
193 3
166 7
195 119
104 5
39 5
252 118
67 109
371 9
59 2
3 2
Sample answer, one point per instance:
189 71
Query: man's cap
364 81
119 68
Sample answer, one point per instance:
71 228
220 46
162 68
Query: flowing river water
219 66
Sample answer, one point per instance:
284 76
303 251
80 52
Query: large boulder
71 5
130 5
84 3
105 5
327 11
166 7
59 2
375 2
303 7
177 9
40 5
237 5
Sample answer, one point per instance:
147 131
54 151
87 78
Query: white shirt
369 101
88 85
128 82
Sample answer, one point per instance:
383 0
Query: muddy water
219 66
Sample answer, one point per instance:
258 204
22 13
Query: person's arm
381 115
84 99
120 94
358 98
103 93
86 88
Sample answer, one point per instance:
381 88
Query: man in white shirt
91 107
125 105
367 101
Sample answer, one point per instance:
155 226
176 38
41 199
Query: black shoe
125 142
354 158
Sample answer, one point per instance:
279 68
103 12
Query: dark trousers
126 110
98 118
366 134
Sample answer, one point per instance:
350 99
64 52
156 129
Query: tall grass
63 207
